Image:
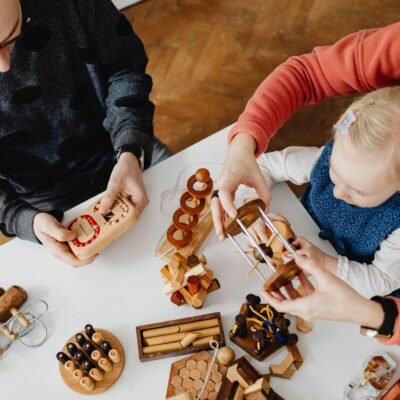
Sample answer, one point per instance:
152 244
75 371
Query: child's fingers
300 241
277 217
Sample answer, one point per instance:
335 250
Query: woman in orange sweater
360 62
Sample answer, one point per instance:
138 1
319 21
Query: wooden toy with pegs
192 222
270 253
243 381
260 330
91 361
18 318
179 337
96 231
188 280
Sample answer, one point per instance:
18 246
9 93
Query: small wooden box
95 231
168 324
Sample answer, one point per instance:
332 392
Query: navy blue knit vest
353 231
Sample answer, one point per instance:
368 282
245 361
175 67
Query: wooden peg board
188 376
95 231
248 343
109 377
165 329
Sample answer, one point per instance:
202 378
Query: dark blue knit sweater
353 231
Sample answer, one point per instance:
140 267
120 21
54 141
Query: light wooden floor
208 56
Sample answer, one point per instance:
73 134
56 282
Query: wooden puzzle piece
177 337
192 222
189 376
260 330
96 231
10 301
91 361
292 362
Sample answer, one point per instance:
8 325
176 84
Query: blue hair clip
343 127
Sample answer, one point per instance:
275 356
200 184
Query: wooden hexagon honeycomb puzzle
188 376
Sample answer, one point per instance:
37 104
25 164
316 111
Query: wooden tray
109 377
190 349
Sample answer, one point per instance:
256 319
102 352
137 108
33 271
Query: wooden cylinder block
23 321
70 366
97 338
105 365
96 355
87 383
14 297
96 374
114 355
77 374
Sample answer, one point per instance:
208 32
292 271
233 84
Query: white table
122 289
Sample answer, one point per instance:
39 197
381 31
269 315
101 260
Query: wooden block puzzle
260 330
244 382
393 393
96 231
91 361
292 362
189 374
179 337
192 222
188 280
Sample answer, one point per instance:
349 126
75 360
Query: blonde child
353 192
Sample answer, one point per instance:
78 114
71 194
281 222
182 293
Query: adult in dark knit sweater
75 115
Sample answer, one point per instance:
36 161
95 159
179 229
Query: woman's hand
240 167
330 299
53 236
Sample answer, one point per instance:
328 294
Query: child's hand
53 236
312 256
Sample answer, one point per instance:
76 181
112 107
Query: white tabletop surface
122 289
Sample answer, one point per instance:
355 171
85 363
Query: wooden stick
162 347
191 326
188 339
205 340
176 337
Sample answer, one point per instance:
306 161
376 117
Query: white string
214 345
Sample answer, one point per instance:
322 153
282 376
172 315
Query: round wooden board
109 377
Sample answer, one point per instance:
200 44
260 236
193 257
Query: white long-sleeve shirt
382 276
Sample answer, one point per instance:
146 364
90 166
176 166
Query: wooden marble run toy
19 318
188 280
96 231
91 361
192 222
179 337
270 253
260 330
374 380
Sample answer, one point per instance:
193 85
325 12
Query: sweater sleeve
379 278
129 111
16 216
395 339
360 62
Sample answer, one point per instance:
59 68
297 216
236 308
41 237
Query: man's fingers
226 199
108 199
64 253
218 218
58 232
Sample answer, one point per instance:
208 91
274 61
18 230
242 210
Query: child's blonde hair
377 125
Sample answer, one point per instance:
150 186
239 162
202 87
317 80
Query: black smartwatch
135 149
390 312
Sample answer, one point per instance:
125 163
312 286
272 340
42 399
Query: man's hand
53 237
240 167
126 178
260 229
